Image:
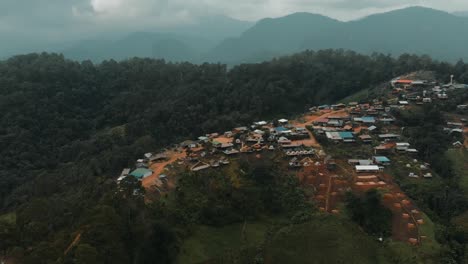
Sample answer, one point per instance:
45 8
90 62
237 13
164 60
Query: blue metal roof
368 119
382 159
281 129
346 135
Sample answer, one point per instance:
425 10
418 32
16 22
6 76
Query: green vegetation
208 243
68 129
323 240
369 213
459 160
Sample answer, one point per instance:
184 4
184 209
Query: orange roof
405 81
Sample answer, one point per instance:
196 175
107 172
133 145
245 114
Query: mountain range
222 39
412 30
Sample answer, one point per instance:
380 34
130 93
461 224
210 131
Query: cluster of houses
374 165
359 122
142 169
260 136
423 91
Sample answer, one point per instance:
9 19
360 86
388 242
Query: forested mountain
461 13
169 46
414 30
68 128
181 43
273 37
184 42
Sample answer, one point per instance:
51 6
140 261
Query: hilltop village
332 149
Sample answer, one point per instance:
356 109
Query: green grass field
208 243
324 240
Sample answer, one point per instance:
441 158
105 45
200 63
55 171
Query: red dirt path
158 169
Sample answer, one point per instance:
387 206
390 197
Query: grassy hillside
459 158
324 240
209 243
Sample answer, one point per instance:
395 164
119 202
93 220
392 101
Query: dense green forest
68 128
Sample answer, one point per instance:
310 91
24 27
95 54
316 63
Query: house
284 141
403 103
462 107
457 144
402 147
340 136
381 160
321 122
124 174
427 100
456 131
189 144
239 130
299 152
301 130
222 145
323 107
335 123
282 130
367 168
338 106
387 120
412 151
383 149
141 163
442 96
368 119
213 135
366 138
371 128
454 124
141 173
401 82
200 166
159 157
419 83
259 132
261 123
255 138
360 162
389 136
283 121
231 152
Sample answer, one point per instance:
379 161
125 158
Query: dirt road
158 169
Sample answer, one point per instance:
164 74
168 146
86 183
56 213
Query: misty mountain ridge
416 30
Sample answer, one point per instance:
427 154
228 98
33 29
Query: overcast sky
54 17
